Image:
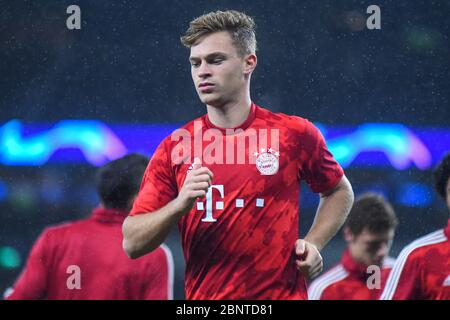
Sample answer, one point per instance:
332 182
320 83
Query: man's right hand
196 185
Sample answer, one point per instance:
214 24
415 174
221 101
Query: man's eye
195 64
217 61
374 246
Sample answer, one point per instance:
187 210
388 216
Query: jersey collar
353 267
108 215
247 123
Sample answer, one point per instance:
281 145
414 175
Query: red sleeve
32 283
159 275
158 185
329 293
404 280
385 272
317 165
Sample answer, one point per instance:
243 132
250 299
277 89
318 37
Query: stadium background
127 69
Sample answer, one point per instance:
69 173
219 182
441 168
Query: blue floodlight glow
415 195
399 144
400 147
95 140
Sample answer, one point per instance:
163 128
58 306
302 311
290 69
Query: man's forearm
331 214
143 233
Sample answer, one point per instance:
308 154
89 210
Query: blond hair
240 27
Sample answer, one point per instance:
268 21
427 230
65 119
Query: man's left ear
250 63
348 235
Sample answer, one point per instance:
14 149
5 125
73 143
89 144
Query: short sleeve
158 185
32 283
404 280
317 166
158 277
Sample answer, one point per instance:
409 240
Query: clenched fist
196 185
309 262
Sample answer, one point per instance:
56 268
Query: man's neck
231 114
354 257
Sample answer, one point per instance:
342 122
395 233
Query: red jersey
422 270
239 241
348 281
93 249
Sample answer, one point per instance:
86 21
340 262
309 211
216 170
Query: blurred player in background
369 232
238 221
85 260
422 269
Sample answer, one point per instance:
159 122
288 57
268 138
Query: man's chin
376 263
210 100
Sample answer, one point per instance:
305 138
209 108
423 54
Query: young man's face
218 71
369 248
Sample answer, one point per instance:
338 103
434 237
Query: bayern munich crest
267 161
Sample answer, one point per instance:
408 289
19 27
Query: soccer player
422 269
238 219
368 231
85 260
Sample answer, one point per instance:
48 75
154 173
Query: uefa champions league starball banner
95 143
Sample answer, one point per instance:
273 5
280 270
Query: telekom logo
209 203
219 204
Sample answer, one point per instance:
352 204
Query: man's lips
206 86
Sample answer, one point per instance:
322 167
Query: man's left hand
309 262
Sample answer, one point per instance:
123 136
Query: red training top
239 241
422 270
349 281
85 260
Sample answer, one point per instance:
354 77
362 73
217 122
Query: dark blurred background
126 65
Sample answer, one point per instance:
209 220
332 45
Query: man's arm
333 209
334 206
143 233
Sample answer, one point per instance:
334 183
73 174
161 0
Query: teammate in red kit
422 269
84 260
236 204
369 232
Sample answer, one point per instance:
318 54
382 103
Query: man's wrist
318 244
178 209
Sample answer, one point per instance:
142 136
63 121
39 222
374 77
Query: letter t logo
209 203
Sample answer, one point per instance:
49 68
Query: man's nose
382 250
204 71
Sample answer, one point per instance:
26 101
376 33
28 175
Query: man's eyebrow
216 54
209 56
